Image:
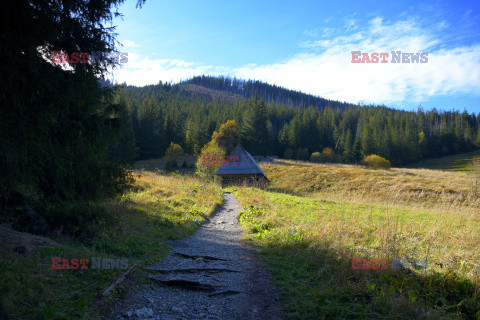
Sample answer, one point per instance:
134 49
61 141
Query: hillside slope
459 162
221 86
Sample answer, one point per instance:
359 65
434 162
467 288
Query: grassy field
315 218
307 226
451 191
133 227
460 162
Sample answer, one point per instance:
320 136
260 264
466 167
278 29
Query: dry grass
170 207
417 188
187 192
315 218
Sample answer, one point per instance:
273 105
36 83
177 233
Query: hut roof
245 164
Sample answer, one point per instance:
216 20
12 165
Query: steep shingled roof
244 165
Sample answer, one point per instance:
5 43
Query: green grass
307 227
314 219
166 208
309 243
460 162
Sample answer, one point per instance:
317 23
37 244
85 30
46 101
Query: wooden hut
242 169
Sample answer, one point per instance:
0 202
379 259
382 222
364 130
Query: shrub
207 171
328 155
316 157
376 161
174 150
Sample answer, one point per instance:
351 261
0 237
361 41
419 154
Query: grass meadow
460 162
307 226
158 207
315 218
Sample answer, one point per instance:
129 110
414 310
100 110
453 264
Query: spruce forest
290 124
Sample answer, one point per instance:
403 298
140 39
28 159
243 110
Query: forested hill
269 93
208 88
188 113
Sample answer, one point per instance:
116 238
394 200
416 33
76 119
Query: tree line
166 113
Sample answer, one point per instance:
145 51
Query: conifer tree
254 127
58 125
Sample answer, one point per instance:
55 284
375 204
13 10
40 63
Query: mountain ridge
270 93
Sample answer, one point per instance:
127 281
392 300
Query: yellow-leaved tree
213 153
227 136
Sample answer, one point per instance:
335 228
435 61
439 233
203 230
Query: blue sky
306 46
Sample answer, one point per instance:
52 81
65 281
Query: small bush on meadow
316 157
328 155
376 162
174 150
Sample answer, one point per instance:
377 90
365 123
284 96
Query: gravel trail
210 275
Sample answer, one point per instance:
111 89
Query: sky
307 45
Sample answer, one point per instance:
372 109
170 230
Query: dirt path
207 276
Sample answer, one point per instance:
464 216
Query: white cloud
142 71
130 44
311 33
325 69
331 74
350 24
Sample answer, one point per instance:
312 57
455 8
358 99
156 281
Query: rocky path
207 276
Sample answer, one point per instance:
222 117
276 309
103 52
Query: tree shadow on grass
319 283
